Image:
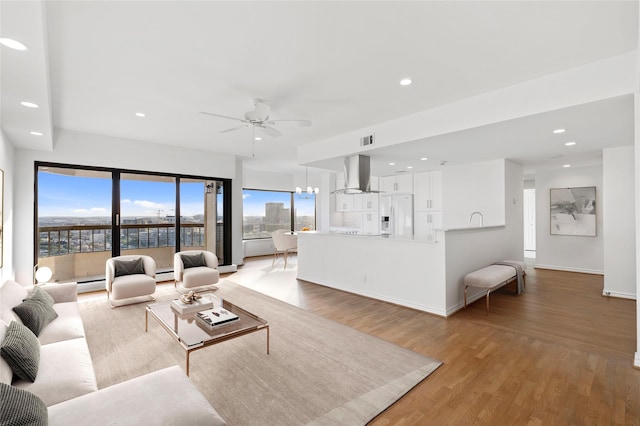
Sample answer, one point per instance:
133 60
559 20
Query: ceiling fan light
316 190
298 190
309 190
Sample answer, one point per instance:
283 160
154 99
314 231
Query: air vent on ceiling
367 140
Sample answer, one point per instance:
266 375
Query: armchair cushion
128 267
193 260
20 407
21 350
36 311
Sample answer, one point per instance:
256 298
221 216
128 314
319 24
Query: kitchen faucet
481 218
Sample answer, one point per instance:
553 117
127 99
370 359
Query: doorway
529 207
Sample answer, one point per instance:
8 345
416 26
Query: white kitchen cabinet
370 223
427 191
398 184
426 223
344 202
369 202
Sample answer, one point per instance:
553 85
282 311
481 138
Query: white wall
619 222
94 150
474 187
469 250
566 252
7 155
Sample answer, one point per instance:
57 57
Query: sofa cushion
164 397
65 372
21 349
20 407
11 294
6 374
68 325
128 267
193 260
36 311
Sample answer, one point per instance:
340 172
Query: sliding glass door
86 215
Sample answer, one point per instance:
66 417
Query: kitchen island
417 272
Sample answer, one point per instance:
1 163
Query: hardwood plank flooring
560 353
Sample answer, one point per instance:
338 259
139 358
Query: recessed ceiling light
29 104
257 138
570 143
392 164
566 166
12 44
424 159
556 131
140 114
405 82
409 167
36 133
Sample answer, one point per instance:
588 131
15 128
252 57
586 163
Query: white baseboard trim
610 293
569 269
636 361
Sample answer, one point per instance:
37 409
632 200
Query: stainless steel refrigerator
399 211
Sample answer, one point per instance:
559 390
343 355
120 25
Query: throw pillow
128 267
193 260
21 349
20 407
39 294
6 375
35 313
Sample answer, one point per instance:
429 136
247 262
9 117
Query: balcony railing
72 239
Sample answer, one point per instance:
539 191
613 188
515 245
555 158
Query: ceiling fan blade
222 116
233 129
270 131
299 123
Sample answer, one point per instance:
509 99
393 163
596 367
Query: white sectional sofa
66 382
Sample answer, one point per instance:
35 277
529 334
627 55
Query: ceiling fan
259 118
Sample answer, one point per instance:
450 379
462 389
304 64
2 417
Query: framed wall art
573 211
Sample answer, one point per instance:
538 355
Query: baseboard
636 361
569 269
619 294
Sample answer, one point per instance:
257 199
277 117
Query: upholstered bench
495 276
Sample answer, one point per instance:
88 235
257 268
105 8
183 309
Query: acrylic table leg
267 340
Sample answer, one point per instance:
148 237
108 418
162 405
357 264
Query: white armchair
130 277
285 242
195 270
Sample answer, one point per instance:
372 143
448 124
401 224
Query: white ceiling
93 64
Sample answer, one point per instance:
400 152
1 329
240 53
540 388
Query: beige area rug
318 372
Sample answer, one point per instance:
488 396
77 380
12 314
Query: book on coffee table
212 318
195 306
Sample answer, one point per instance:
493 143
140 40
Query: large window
267 211
86 215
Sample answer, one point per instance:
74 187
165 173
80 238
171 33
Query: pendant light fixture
309 191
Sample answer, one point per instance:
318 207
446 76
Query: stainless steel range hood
357 174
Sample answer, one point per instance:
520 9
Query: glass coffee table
192 336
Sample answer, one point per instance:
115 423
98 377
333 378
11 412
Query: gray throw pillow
20 407
128 267
193 260
40 294
21 349
36 311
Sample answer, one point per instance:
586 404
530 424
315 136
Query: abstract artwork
573 211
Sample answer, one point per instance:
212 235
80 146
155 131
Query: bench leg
465 296
488 292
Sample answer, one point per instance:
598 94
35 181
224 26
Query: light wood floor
560 353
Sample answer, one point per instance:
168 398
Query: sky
74 196
255 200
